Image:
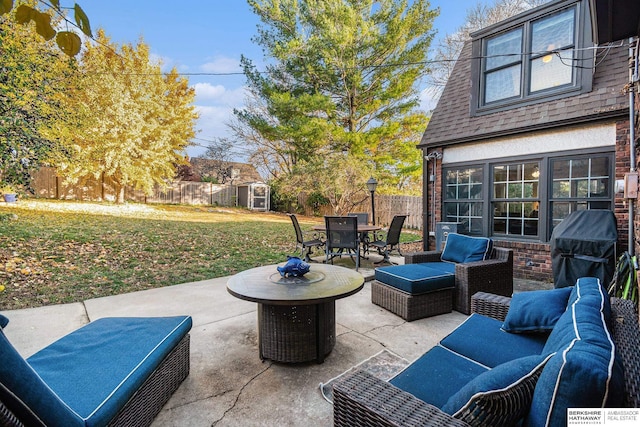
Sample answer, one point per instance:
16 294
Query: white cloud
208 91
212 121
219 95
222 64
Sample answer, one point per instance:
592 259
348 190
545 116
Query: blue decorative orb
295 267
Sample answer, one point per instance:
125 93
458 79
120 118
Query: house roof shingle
451 121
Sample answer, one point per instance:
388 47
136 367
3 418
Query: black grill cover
584 245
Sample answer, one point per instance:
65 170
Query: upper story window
534 58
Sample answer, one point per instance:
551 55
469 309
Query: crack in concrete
365 333
235 402
86 312
382 327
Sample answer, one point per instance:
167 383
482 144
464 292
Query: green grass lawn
54 252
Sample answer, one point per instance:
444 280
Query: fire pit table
296 315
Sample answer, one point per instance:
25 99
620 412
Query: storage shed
254 196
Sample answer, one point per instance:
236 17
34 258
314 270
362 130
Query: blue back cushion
479 333
461 249
437 375
27 386
105 362
515 380
585 371
418 278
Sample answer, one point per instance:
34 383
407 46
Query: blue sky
209 36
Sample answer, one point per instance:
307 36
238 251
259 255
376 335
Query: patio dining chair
314 242
363 219
342 238
385 244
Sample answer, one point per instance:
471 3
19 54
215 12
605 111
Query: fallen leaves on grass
52 256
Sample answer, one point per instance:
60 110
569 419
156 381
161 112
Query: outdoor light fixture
371 185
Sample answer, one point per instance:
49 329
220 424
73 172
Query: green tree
341 79
137 120
34 88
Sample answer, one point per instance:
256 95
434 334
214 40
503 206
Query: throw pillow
536 311
461 249
501 396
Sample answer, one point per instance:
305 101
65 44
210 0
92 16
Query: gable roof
451 121
247 173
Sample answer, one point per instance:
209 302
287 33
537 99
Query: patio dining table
363 230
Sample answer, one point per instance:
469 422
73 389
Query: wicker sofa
435 282
113 371
590 358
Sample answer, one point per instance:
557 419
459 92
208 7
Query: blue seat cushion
585 371
536 311
29 390
461 249
481 338
437 375
96 369
418 278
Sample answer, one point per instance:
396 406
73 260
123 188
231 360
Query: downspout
633 79
433 157
425 202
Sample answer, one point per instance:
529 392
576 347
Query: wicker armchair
362 399
494 275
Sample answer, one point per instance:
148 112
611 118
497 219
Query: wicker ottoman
411 307
414 291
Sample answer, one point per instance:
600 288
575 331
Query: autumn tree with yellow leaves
137 120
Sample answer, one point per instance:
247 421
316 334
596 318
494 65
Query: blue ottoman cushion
479 333
437 375
418 278
91 373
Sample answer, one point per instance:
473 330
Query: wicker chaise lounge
362 399
113 371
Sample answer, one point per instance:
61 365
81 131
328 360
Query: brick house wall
532 260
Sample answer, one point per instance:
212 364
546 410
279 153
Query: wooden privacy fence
48 185
386 208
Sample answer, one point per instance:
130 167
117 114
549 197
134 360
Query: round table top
323 283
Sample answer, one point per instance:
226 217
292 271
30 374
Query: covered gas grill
584 244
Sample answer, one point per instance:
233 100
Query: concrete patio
228 384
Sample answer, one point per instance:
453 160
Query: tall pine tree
341 81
